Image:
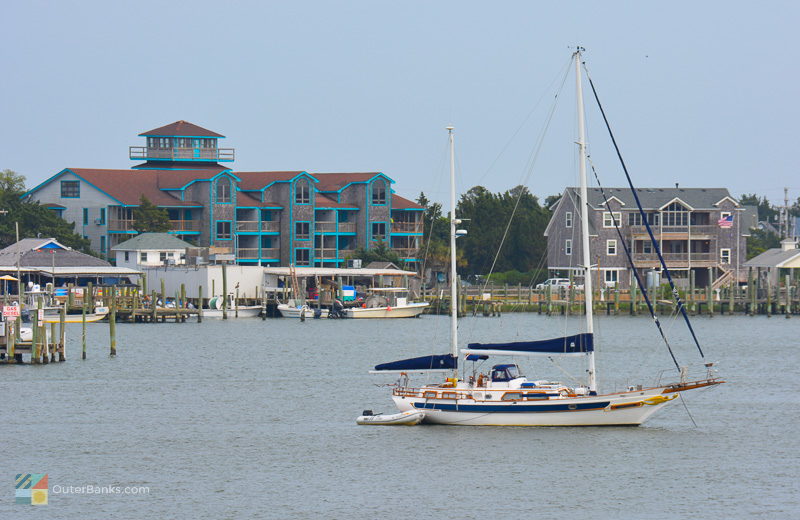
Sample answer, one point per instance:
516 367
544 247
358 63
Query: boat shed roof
302 272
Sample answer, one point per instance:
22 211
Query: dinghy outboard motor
337 311
317 313
367 413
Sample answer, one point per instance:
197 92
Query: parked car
554 283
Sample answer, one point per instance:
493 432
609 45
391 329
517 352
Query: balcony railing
406 227
121 225
346 252
143 153
324 227
184 225
406 252
347 227
254 226
664 230
251 253
684 258
327 253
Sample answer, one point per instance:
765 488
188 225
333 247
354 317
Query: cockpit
505 372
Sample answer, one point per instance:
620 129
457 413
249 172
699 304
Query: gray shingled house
699 230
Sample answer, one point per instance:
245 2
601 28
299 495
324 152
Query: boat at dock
502 395
386 302
292 310
215 309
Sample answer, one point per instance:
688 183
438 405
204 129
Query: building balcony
676 259
406 252
673 232
252 253
143 153
347 227
325 253
344 253
184 226
325 227
407 227
121 225
255 226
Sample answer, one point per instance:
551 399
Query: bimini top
577 344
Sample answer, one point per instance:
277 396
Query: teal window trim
102 216
384 237
85 216
223 181
103 244
373 193
298 200
70 189
230 230
297 235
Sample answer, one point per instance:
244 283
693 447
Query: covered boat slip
375 292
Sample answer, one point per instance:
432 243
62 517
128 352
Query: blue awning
567 345
433 362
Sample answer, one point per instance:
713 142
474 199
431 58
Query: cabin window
378 192
533 396
70 189
302 230
609 217
224 190
379 231
568 246
301 193
429 395
568 219
724 256
224 230
611 247
449 395
512 396
505 372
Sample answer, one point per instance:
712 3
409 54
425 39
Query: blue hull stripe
511 408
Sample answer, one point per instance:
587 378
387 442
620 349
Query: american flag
726 222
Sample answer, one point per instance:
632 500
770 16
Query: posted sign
10 311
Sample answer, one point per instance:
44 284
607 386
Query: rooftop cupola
181 141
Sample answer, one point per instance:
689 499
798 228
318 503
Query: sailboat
503 396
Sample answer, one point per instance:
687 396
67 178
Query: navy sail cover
433 362
576 344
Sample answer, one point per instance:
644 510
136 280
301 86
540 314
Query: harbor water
256 419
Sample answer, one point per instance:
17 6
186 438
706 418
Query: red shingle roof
181 127
245 199
323 201
336 181
128 186
257 180
399 202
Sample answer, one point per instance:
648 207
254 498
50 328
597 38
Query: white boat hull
245 311
628 409
411 310
407 418
288 311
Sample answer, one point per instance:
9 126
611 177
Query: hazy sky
700 93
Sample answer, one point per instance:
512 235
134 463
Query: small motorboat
407 418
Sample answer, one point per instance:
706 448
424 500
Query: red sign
10 311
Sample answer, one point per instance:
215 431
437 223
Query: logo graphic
31 488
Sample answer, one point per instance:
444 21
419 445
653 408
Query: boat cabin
505 373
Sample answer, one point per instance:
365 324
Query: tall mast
453 280
587 260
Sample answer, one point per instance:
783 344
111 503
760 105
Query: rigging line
683 401
675 294
524 121
433 220
633 267
531 164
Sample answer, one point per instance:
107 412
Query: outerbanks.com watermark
99 490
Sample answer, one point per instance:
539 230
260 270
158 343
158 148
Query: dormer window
301 193
223 190
378 192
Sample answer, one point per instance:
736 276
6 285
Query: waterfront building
260 217
699 230
151 249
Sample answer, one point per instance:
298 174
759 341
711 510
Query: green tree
380 253
148 218
766 212
760 240
34 219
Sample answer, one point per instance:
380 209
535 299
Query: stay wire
633 267
675 294
531 163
